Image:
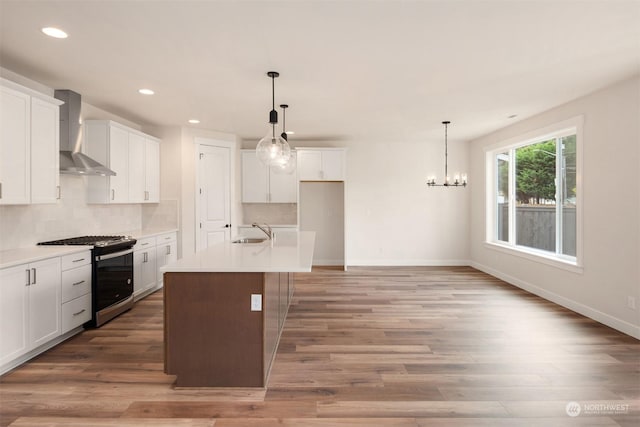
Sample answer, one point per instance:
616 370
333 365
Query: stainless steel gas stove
112 274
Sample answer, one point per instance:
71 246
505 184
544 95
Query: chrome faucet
268 231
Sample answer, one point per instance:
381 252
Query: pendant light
458 181
288 165
272 148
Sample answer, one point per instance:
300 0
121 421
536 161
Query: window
533 202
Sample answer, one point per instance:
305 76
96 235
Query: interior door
214 193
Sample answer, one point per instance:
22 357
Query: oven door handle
114 255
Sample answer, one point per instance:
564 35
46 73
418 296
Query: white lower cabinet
144 266
29 307
150 254
14 308
76 290
166 252
76 312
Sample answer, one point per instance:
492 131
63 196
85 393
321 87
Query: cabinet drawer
76 282
166 238
146 243
75 260
76 312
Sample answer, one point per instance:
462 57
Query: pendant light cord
273 92
446 152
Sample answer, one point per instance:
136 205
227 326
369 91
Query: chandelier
458 180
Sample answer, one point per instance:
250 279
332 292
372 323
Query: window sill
536 256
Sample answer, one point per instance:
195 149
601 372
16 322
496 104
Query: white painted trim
536 256
328 262
562 128
408 263
210 142
606 319
35 352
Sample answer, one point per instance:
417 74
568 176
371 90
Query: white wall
611 211
393 217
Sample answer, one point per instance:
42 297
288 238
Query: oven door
113 278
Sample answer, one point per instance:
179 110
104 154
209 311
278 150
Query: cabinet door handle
146 195
0 190
34 276
80 312
146 257
78 260
28 277
58 192
113 194
168 250
78 283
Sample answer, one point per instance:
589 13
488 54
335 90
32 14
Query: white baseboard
408 263
330 262
33 353
606 319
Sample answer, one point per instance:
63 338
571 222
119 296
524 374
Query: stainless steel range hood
72 160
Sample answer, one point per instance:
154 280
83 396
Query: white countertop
147 232
13 257
290 252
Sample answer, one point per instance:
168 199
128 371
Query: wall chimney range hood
72 160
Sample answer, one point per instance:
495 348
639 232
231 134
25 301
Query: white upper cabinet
321 164
283 187
45 151
261 185
152 170
132 155
29 144
136 169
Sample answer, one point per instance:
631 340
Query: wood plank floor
369 347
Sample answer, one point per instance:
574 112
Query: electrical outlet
631 302
256 302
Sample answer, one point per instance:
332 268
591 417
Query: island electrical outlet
256 302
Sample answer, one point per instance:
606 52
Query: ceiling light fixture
284 122
286 165
458 181
273 149
146 91
55 32
194 121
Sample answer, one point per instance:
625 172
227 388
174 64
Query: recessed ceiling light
194 121
146 91
55 32
290 132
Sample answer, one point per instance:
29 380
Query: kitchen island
224 309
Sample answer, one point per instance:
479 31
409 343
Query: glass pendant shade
272 149
285 167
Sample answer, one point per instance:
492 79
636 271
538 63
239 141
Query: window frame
556 130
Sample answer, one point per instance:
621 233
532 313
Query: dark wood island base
212 337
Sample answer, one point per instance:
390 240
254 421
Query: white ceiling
350 70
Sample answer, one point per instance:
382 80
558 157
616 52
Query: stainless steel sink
249 240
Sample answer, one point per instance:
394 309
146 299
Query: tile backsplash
270 213
26 225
